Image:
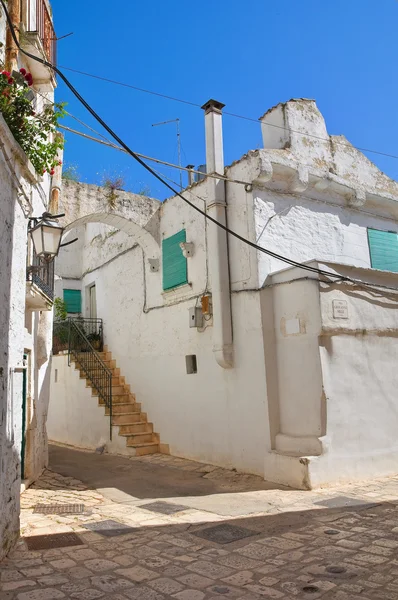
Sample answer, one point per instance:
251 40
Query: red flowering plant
36 133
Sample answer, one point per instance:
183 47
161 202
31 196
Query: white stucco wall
358 356
147 331
10 417
299 198
22 194
304 229
336 380
75 417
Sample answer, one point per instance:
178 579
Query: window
383 247
73 301
175 271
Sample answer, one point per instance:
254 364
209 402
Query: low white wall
75 417
359 365
336 415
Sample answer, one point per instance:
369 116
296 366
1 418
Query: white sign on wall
340 309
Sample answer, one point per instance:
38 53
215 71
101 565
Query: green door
24 393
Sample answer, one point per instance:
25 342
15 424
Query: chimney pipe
11 53
56 182
191 174
217 237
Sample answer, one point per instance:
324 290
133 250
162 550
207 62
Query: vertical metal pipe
11 54
217 238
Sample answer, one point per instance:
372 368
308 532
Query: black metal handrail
89 361
93 330
41 273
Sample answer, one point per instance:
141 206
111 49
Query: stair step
119 399
111 364
123 399
129 418
126 412
138 427
138 438
143 449
105 355
122 409
119 390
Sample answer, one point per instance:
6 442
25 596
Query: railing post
110 404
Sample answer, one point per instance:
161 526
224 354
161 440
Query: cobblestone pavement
338 543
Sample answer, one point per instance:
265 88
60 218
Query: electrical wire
150 158
160 178
230 114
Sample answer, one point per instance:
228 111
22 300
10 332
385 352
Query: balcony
40 285
40 38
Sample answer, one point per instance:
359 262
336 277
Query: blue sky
342 53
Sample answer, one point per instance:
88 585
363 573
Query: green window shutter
383 246
175 271
73 301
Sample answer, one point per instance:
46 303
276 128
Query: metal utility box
195 317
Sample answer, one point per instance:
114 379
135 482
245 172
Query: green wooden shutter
383 246
73 301
174 263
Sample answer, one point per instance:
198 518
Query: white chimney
217 238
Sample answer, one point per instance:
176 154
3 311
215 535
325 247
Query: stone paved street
144 534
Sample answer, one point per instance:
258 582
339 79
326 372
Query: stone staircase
126 412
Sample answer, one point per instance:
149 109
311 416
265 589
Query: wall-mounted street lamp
46 234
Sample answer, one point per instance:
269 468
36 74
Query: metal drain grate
224 534
110 528
164 508
59 509
57 540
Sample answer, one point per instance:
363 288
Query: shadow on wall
10 486
36 431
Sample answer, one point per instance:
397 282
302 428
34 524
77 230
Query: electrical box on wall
195 317
206 304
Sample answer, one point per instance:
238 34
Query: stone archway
140 235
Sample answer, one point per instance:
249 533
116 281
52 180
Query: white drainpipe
217 243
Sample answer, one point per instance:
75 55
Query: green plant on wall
113 183
60 311
70 173
36 133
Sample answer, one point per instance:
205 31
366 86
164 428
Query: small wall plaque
340 309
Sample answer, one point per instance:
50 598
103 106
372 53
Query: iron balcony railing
71 335
40 22
41 273
92 329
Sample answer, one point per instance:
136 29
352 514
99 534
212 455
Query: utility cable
230 114
150 158
158 177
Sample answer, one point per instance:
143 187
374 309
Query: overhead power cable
160 178
230 114
105 142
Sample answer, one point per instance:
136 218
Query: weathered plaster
305 198
22 193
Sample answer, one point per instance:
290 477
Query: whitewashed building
230 355
26 284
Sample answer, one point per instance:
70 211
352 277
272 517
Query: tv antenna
177 122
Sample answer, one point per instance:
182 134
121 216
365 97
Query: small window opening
191 364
